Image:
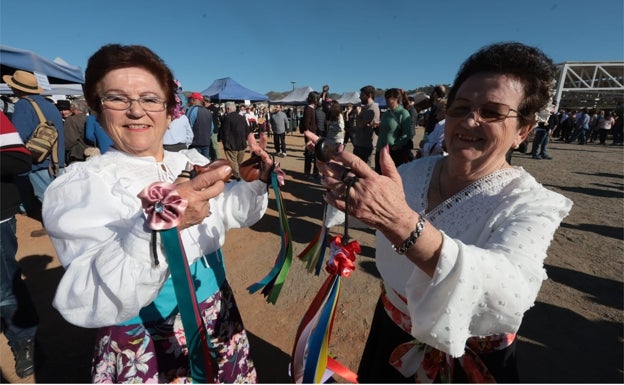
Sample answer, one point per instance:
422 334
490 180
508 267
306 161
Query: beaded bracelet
411 240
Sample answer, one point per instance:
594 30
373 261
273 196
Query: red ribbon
342 256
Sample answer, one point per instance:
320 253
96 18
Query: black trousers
279 140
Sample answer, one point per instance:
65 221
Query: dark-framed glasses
122 103
488 112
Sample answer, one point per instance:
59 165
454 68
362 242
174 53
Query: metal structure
598 85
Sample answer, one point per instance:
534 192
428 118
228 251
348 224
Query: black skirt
385 336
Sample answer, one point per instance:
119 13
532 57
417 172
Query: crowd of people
451 214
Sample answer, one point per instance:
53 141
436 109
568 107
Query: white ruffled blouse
496 235
97 226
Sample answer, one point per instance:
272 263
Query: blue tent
13 59
228 89
381 100
63 78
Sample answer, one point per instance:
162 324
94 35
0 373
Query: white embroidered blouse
496 234
96 223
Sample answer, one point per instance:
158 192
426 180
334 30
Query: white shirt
97 225
179 131
435 140
496 234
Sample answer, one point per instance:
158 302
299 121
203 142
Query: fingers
353 162
207 180
205 185
185 175
387 165
332 172
310 138
263 141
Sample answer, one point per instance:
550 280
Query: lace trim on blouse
491 182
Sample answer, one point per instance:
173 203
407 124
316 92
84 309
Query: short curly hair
529 65
115 56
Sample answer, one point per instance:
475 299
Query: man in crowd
75 143
201 121
216 123
439 92
366 122
25 86
233 133
64 107
17 312
279 124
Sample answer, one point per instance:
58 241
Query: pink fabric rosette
163 205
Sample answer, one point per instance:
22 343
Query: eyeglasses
122 103
488 112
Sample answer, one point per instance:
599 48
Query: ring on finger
350 180
345 174
341 190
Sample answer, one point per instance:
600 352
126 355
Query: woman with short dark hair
461 238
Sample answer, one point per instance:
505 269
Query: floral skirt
157 353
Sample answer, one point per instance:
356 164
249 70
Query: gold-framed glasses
122 103
489 112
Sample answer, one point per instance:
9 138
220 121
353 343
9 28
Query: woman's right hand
198 191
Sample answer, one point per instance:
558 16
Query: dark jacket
202 126
309 119
14 160
233 132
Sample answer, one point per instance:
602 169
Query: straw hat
23 81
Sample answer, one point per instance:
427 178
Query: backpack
44 140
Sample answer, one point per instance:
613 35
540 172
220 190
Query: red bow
341 257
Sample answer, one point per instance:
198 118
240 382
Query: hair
439 90
313 97
334 111
399 95
230 106
368 90
441 107
80 105
529 65
115 56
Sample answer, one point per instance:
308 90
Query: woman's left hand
377 200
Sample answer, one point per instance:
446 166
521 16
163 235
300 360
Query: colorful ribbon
311 361
314 253
164 207
272 284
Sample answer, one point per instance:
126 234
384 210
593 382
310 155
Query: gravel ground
573 334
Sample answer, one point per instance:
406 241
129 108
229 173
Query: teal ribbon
272 283
208 278
203 362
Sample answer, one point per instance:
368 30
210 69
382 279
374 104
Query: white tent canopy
55 89
298 96
349 97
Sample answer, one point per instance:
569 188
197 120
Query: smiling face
478 145
134 130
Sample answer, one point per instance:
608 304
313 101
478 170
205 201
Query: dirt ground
573 334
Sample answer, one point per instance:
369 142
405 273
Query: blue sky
265 45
